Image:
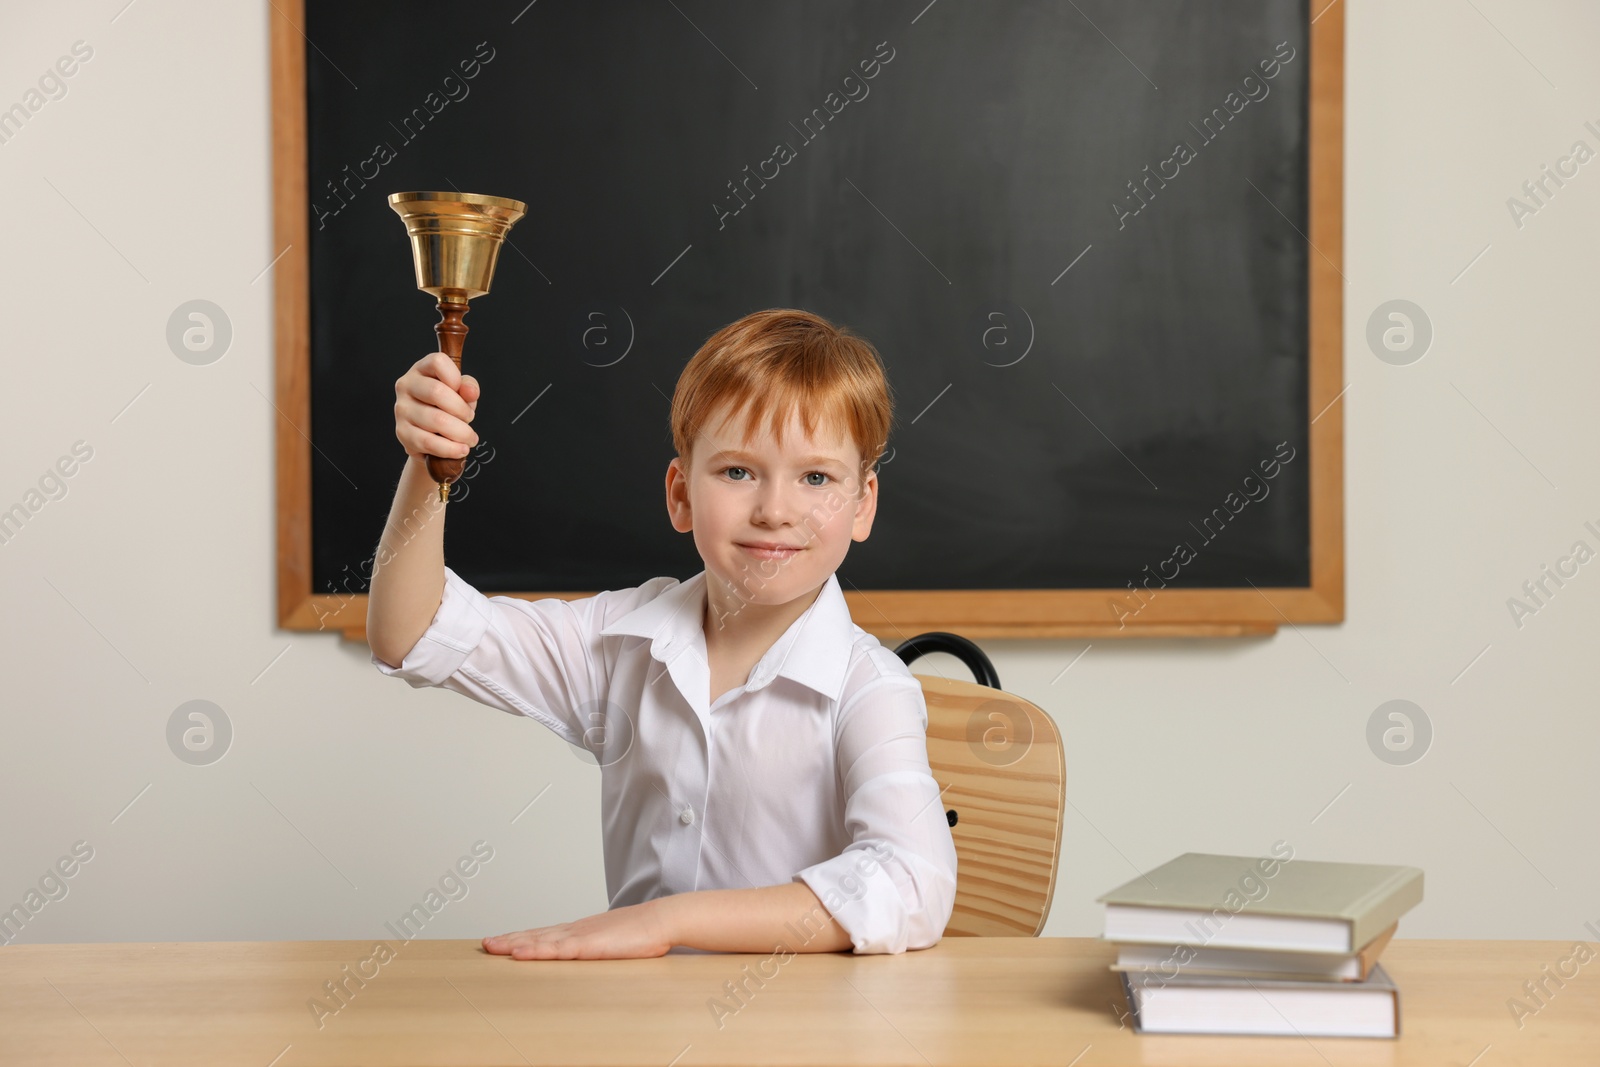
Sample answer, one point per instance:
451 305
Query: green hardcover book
1248 902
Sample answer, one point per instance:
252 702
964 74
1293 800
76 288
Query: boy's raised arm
408 572
434 402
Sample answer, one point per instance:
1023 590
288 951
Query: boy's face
807 494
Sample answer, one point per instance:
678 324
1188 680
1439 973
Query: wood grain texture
291 290
967 1000
1326 271
1000 768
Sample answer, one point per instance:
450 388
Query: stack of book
1243 945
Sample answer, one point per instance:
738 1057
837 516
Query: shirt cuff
865 899
457 628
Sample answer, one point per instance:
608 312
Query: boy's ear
678 496
866 507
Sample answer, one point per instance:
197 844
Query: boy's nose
774 506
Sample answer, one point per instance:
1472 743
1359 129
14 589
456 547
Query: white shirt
814 770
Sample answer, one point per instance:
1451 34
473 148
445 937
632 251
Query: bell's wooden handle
452 334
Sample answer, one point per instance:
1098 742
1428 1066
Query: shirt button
686 816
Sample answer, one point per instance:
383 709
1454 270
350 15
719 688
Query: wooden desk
967 1000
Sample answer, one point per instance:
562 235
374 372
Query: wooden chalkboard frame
890 615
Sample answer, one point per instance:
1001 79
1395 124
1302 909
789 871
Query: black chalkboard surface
1073 231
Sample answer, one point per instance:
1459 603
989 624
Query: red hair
772 362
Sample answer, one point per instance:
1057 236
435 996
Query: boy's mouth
769 549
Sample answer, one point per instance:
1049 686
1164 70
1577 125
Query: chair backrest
1002 775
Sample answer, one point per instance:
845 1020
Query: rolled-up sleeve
893 887
538 658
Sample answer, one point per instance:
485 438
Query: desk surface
967 1000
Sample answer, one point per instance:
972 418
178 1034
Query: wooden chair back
1002 774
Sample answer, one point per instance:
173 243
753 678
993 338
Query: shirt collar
814 650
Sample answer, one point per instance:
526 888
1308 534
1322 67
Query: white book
1171 960
1195 1004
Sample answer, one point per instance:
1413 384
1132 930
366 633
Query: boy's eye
819 474
727 470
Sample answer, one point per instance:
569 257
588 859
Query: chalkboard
1077 232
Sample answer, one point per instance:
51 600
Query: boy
764 768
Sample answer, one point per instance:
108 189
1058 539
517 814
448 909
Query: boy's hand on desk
634 932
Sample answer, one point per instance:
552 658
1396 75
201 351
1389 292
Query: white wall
345 795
